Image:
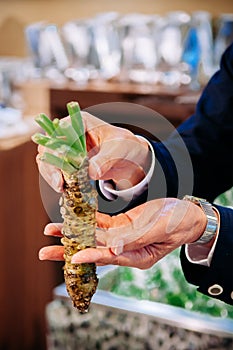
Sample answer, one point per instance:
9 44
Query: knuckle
141 242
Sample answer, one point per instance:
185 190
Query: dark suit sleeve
208 136
217 279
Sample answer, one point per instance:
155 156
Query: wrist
202 254
211 242
207 235
147 159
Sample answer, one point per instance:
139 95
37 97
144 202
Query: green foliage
165 283
226 198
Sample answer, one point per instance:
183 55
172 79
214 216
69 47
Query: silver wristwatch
212 221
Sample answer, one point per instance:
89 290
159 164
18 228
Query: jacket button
216 289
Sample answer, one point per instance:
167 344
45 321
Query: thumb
113 231
107 222
110 153
95 167
103 220
99 165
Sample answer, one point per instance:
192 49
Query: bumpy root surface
78 208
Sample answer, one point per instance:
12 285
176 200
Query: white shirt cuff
200 254
110 193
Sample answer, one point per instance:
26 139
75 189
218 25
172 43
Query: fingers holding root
55 253
104 256
53 229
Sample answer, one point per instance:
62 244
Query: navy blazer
197 158
208 136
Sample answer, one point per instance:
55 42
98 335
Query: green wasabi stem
67 139
71 156
46 141
40 139
52 143
56 123
58 162
45 123
66 153
72 137
76 121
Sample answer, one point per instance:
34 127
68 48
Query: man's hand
114 154
139 237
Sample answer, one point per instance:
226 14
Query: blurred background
154 53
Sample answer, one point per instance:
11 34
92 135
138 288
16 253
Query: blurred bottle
5 88
106 50
172 37
47 50
139 57
224 36
170 47
198 49
78 42
77 37
32 35
12 73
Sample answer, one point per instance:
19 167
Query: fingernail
47 231
41 254
84 257
77 259
118 248
56 182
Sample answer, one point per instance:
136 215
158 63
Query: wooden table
26 283
176 104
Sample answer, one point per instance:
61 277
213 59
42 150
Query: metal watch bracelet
212 221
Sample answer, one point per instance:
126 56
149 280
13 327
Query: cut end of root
81 285
83 311
82 305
